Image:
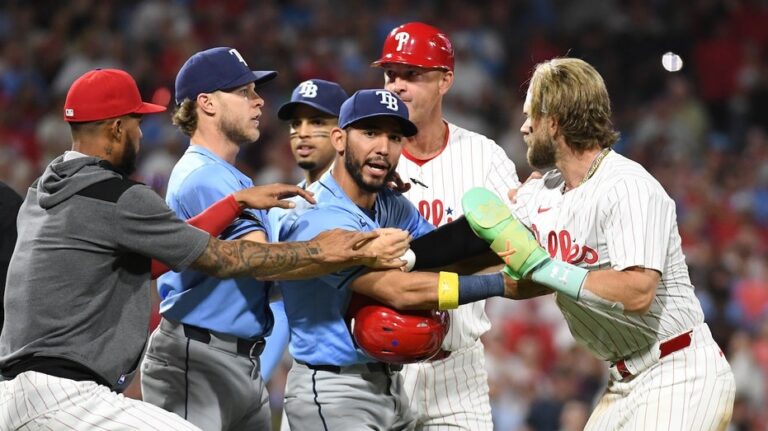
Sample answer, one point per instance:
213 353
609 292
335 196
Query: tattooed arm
335 249
387 248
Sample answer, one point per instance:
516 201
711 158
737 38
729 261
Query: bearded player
614 260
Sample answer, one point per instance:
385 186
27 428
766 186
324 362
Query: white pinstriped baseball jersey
468 160
619 218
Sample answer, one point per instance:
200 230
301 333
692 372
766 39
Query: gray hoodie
78 281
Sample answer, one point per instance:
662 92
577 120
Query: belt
242 346
666 348
374 367
442 354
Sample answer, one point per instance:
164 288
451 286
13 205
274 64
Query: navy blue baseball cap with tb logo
221 68
376 103
325 96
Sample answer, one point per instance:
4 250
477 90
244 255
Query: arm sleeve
145 225
639 225
447 244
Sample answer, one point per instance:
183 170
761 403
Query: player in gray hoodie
77 292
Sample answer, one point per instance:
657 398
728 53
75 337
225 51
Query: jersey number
433 212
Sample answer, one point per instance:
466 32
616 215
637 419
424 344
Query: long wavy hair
572 92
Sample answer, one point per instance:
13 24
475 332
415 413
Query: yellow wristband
447 290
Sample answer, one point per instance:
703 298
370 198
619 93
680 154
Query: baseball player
202 361
442 162
311 114
605 240
332 385
77 292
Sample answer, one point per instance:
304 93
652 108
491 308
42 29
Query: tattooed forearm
227 259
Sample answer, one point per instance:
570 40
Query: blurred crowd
702 132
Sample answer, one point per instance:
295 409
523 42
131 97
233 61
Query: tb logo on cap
388 99
401 38
234 52
308 89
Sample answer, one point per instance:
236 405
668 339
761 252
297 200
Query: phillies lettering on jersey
560 245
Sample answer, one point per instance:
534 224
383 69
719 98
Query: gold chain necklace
593 167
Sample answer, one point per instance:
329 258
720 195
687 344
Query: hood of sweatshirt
63 179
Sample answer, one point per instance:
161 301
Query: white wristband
410 259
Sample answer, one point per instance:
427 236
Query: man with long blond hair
614 259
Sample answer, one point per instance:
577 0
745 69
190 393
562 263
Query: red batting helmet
397 337
417 44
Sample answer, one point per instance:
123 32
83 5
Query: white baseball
410 259
671 62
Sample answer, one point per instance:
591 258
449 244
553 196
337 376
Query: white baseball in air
671 62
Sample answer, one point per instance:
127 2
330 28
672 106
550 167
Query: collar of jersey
209 154
329 183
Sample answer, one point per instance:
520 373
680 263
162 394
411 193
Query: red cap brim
149 108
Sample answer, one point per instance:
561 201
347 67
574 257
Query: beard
236 133
541 152
307 165
128 161
355 169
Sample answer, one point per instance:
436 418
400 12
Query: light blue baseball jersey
316 307
238 306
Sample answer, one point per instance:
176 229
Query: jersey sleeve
145 225
639 225
409 218
206 185
502 176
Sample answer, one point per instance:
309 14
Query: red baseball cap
105 93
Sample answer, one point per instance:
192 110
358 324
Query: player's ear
339 139
115 128
446 82
553 127
206 103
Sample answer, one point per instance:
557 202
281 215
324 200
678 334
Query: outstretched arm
386 249
221 214
429 291
227 259
631 290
